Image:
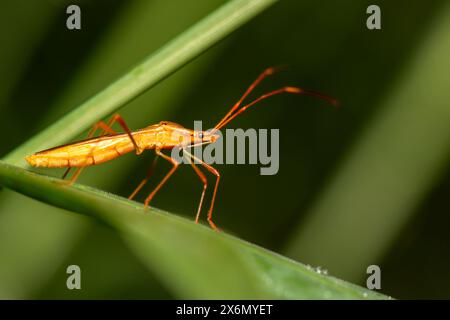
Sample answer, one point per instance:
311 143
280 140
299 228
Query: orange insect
164 135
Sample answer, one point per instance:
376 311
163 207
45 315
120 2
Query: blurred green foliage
378 76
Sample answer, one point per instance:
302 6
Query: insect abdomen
77 155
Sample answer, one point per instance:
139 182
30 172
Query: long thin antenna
294 90
261 77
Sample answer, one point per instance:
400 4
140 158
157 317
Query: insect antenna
294 90
261 77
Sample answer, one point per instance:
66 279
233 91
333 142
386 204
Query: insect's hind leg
106 128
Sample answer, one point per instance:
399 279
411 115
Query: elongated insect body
93 151
164 135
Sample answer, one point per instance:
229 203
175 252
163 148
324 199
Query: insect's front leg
202 177
217 174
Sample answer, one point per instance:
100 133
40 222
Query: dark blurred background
364 184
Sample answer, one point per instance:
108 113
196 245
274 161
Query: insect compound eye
200 135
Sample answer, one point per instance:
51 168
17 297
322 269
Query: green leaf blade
192 260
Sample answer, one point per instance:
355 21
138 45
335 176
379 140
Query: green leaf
192 260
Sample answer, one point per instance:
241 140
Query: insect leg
145 180
175 165
123 124
217 174
75 175
202 177
65 173
106 128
